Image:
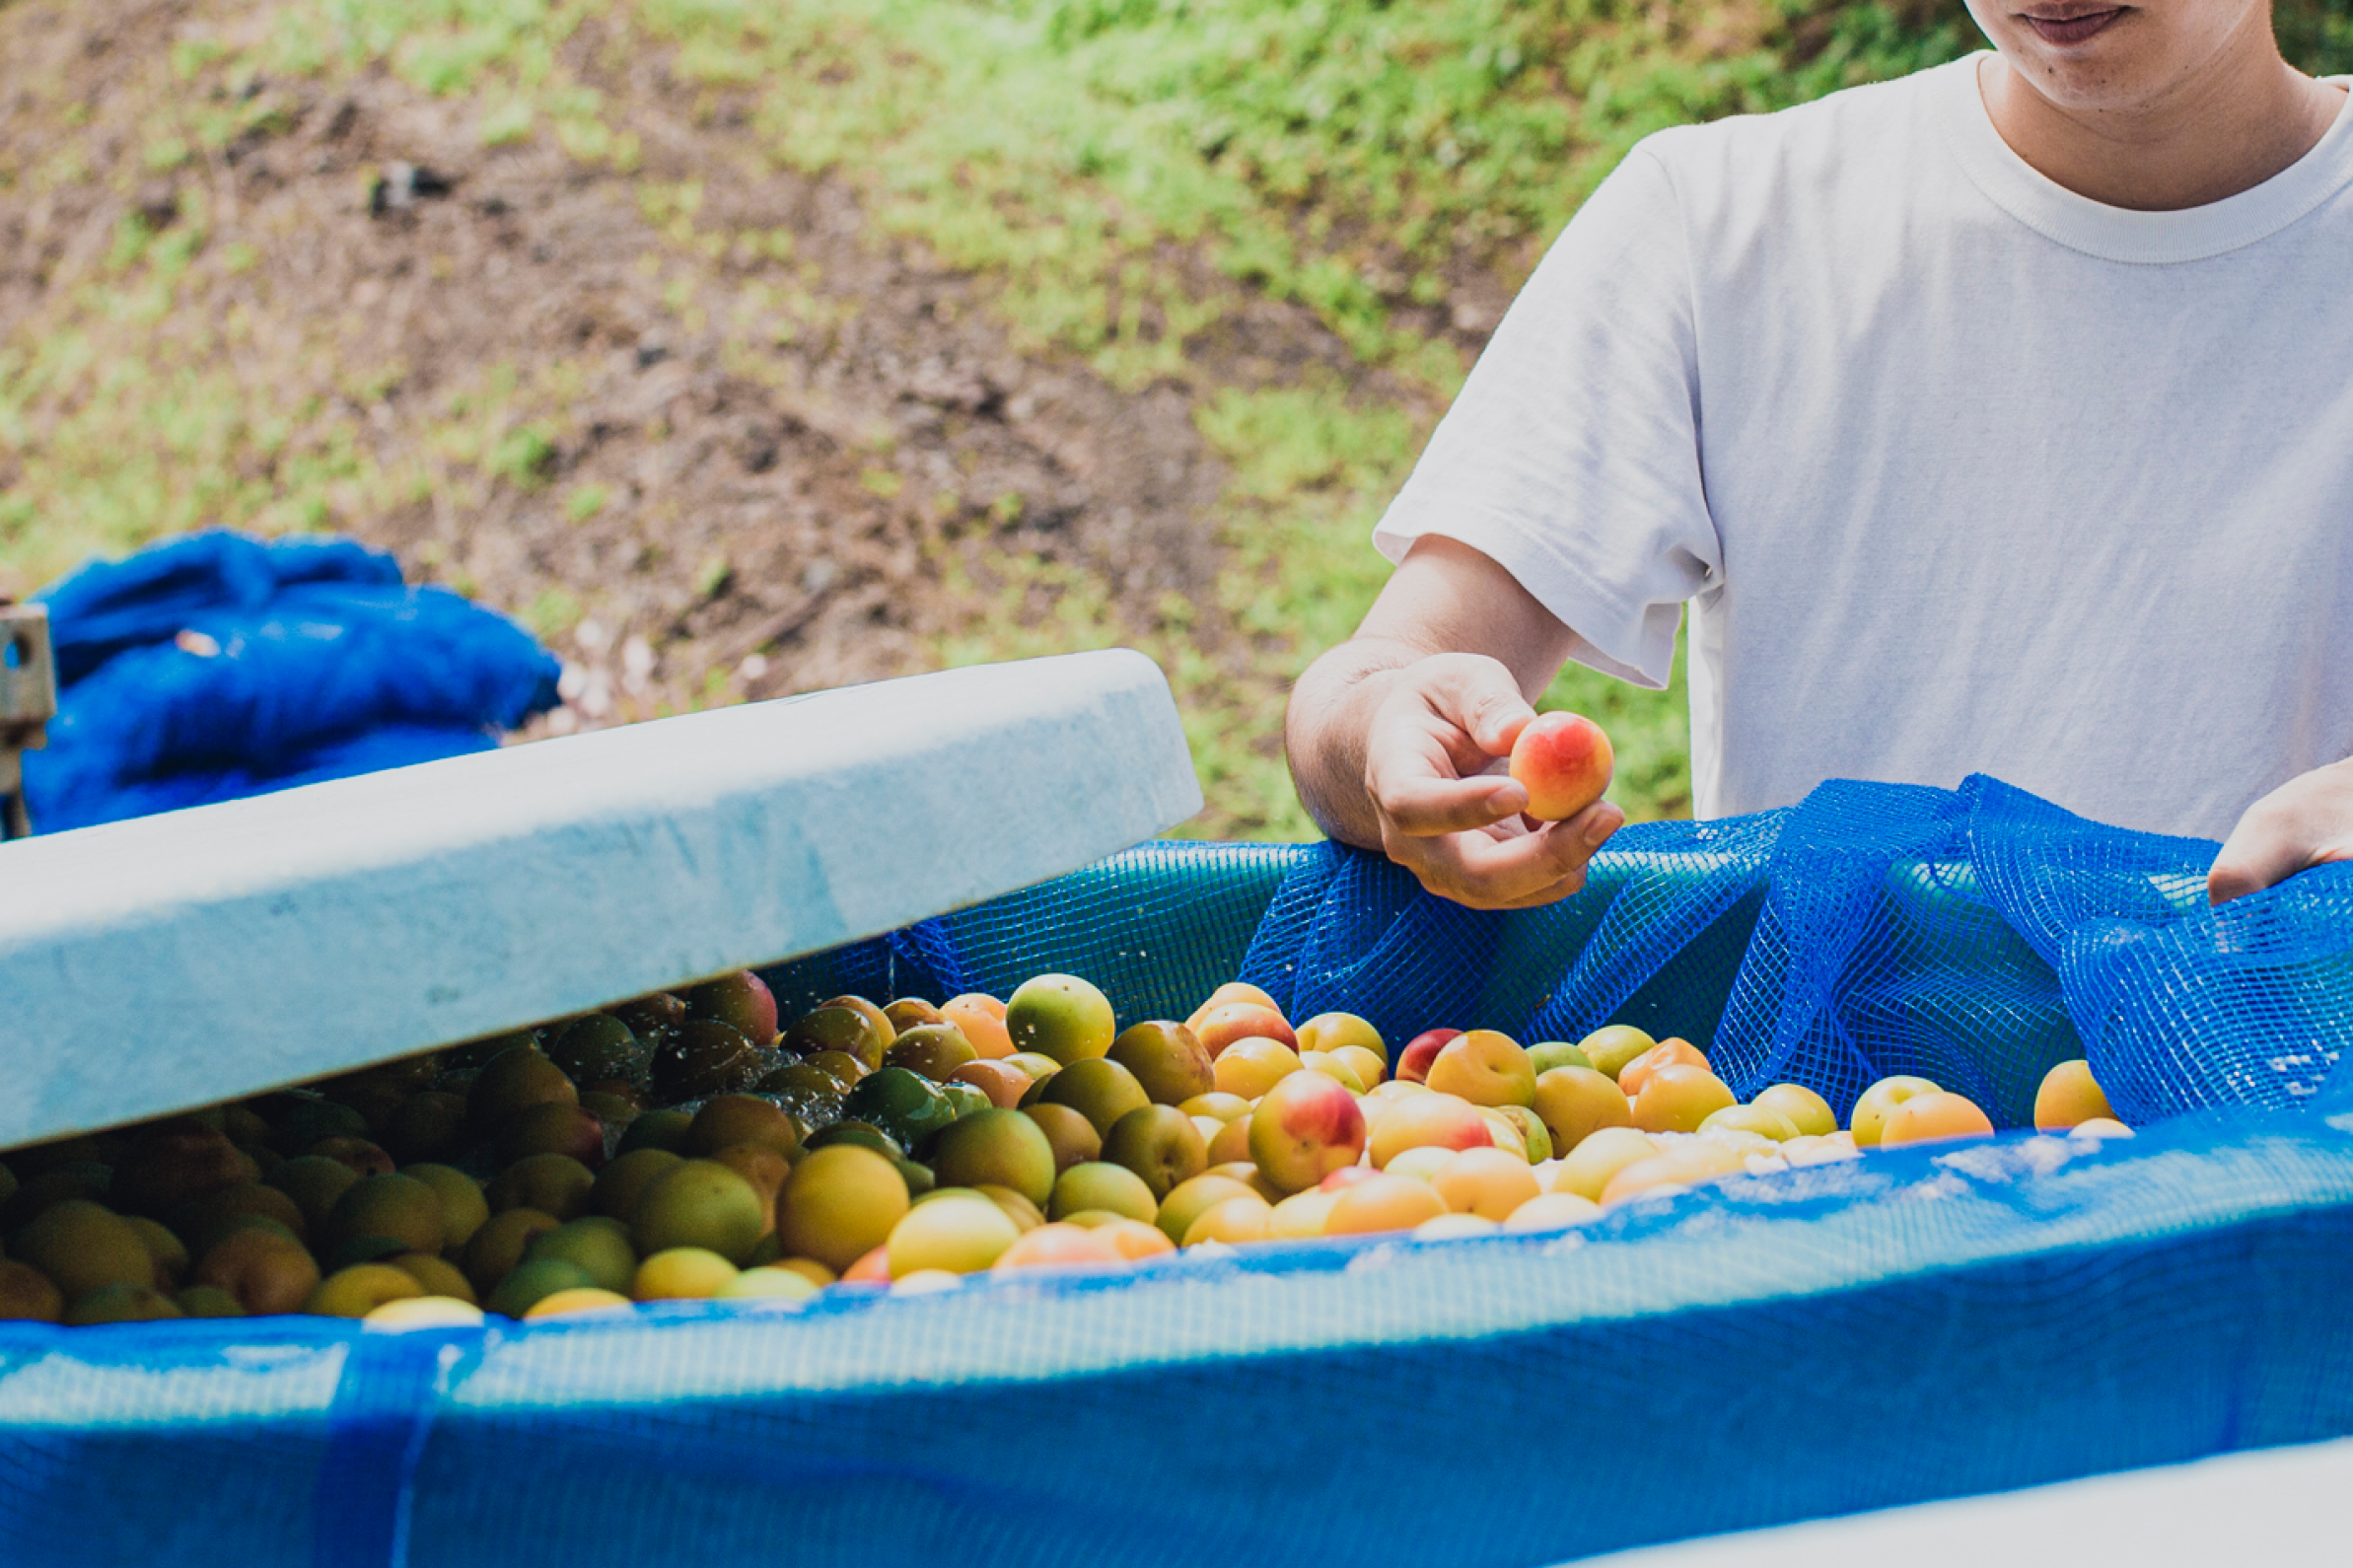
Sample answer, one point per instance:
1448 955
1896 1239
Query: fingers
1424 807
2248 869
2305 822
1521 871
1481 696
1431 743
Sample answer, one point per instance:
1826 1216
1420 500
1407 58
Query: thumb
2253 858
1479 694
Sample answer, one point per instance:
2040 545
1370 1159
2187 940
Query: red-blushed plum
1239 1021
1564 762
1666 1053
982 1019
1000 1080
741 1000
1305 1127
909 1012
1226 995
1414 1062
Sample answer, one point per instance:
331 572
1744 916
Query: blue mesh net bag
1929 1322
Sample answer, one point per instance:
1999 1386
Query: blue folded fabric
217 666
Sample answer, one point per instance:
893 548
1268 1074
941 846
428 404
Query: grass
1125 175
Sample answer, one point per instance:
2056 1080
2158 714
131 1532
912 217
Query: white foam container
197 955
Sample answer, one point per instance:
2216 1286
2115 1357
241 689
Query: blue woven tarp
1924 1322
216 666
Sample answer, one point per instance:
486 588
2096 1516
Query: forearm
1325 728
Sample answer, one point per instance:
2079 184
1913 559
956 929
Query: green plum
1060 1016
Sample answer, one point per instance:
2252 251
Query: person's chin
2098 68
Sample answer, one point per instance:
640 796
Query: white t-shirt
1960 471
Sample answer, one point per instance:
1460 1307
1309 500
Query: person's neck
2220 132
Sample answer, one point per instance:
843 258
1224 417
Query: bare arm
1391 733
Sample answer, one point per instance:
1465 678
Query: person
1989 420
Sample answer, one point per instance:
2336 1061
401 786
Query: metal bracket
28 702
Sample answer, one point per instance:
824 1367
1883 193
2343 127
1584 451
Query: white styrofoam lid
185 958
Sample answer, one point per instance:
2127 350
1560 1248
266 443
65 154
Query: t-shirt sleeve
1572 456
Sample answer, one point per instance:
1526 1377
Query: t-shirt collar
2121 234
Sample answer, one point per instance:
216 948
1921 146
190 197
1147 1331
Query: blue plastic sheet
215 666
1921 1324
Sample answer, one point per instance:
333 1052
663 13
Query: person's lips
2067 24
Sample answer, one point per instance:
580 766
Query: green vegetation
1126 175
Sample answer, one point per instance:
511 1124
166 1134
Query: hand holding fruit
1445 815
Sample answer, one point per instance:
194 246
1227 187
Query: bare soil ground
781 452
